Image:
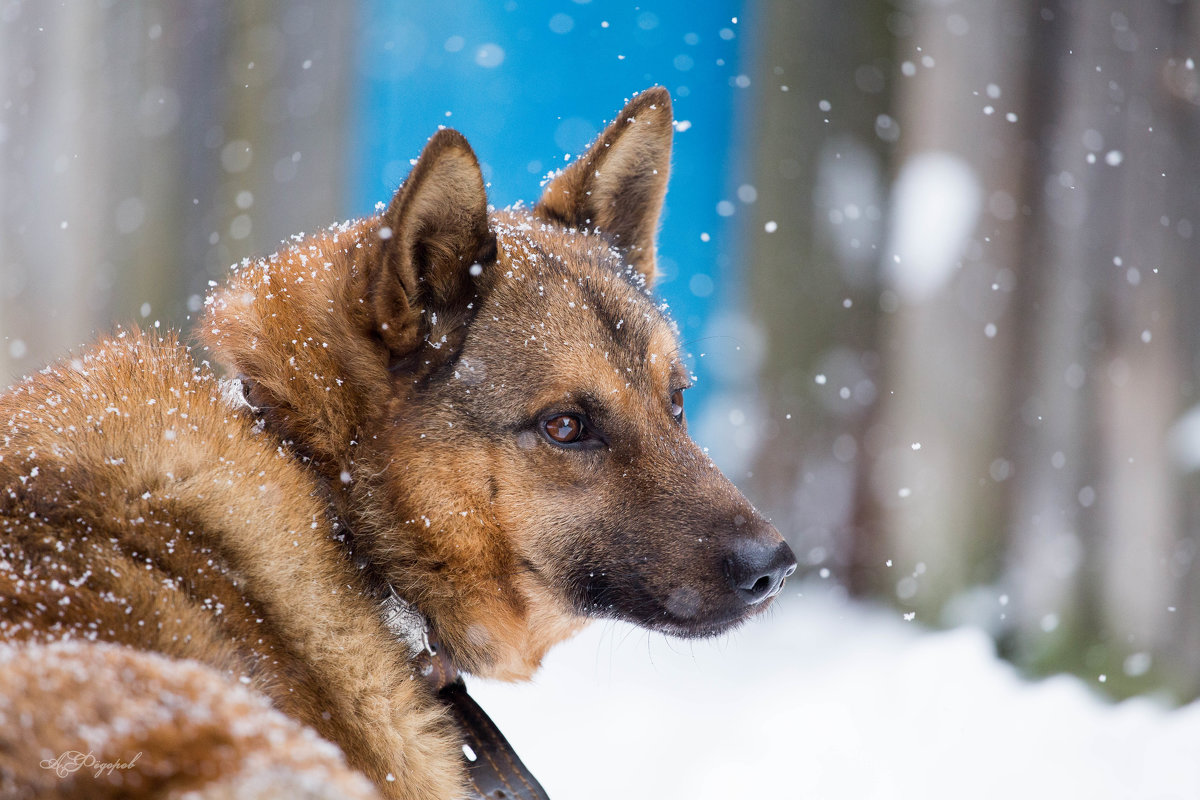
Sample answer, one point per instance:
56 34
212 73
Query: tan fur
202 541
129 723
401 369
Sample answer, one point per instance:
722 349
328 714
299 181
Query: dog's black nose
756 569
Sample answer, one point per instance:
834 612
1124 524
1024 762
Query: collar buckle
407 624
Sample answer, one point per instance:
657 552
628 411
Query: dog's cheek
548 516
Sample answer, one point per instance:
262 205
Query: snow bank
935 206
1184 440
827 699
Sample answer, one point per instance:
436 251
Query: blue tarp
530 83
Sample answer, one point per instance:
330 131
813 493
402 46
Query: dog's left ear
433 232
617 186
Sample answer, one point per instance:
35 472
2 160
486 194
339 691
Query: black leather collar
494 769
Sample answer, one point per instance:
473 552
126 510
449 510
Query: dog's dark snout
757 569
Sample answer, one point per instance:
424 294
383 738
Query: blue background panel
530 85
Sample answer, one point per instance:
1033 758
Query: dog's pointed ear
617 186
433 232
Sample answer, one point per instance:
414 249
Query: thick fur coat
479 409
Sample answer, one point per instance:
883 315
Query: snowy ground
827 699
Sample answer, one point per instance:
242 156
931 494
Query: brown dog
480 413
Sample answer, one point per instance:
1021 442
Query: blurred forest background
935 261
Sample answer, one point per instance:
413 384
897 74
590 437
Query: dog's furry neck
402 619
294 324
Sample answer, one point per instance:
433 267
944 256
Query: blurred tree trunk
172 139
813 238
1181 80
933 490
1100 549
286 139
51 100
1002 407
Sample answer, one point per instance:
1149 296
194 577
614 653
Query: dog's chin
696 629
702 625
684 613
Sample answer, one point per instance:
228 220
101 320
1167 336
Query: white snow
829 699
936 202
1183 440
849 198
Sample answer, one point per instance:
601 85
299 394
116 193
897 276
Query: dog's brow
662 359
628 329
639 344
679 377
630 318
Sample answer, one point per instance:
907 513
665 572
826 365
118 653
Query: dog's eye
677 405
564 429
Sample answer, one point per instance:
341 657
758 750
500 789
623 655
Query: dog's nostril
757 569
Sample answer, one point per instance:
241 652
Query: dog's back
143 509
111 460
91 720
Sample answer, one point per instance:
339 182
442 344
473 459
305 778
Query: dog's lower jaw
548 624
503 639
683 614
701 629
493 617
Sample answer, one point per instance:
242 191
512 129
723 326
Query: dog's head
497 402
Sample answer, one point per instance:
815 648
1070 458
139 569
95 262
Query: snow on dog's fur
480 409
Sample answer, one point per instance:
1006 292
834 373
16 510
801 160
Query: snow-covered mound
826 699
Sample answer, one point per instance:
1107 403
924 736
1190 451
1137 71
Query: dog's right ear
433 232
618 185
